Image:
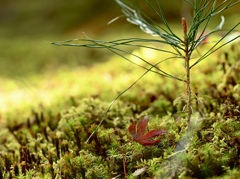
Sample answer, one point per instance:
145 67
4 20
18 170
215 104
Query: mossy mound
52 144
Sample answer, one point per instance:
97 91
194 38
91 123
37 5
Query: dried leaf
137 131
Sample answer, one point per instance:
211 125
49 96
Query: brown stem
188 82
187 67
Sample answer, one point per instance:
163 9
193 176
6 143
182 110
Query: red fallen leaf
137 132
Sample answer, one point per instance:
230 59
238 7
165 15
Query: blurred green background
30 65
27 59
28 26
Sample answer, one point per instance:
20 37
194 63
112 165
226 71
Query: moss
51 141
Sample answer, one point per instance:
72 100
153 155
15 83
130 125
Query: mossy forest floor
47 118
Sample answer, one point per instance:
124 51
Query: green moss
50 141
50 144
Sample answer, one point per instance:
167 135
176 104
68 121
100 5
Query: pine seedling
183 46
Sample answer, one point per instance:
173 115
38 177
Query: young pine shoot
183 46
